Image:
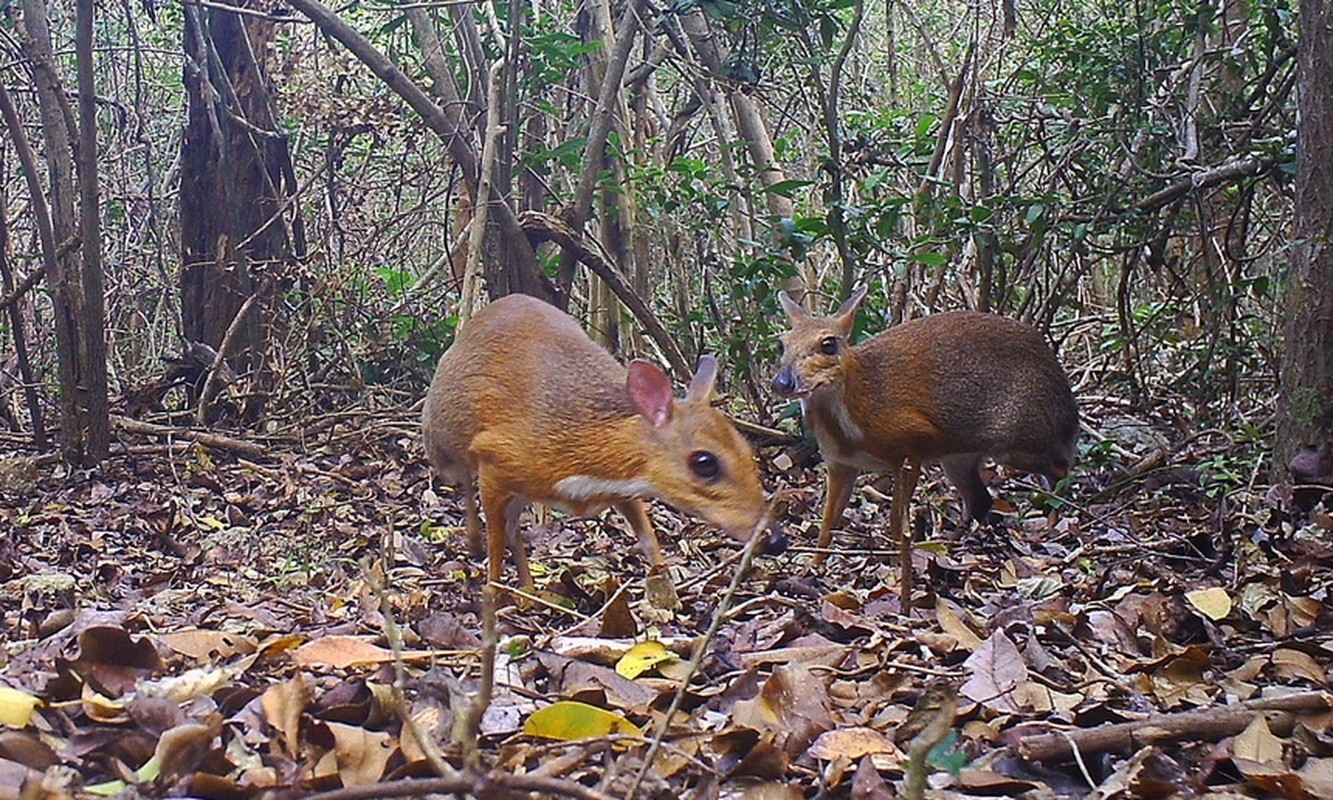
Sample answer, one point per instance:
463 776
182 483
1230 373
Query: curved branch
543 228
1225 172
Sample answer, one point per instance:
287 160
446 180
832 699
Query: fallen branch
218 371
1206 724
762 435
244 448
470 784
23 286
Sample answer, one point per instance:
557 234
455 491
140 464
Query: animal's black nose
776 542
784 383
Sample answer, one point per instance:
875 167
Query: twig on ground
471 784
701 648
392 632
1205 724
207 439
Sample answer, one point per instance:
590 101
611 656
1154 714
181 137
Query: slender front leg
635 513
661 592
841 481
905 475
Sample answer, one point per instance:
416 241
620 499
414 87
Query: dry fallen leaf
362 754
1257 743
180 749
190 684
283 705
1213 602
851 743
771 791
793 704
950 618
1293 663
203 645
997 670
340 652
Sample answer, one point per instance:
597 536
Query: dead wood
1205 724
472 785
242 447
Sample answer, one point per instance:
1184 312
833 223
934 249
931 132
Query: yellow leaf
569 721
1214 603
108 789
642 657
149 772
16 707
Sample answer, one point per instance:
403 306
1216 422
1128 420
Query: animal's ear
845 316
794 311
650 389
701 388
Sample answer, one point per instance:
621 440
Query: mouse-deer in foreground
526 406
956 388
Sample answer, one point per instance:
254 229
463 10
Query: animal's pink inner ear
650 389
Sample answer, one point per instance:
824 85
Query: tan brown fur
957 388
524 400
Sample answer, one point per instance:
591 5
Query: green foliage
554 55
948 756
1223 473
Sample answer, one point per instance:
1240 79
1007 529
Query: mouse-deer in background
529 409
956 388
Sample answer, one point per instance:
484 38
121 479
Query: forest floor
299 619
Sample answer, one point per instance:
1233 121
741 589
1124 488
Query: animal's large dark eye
704 464
829 346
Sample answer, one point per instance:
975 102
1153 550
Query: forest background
1122 177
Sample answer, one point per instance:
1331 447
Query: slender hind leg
517 546
905 475
474 532
502 511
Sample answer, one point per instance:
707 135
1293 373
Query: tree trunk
237 239
76 290
754 132
91 387
1305 404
